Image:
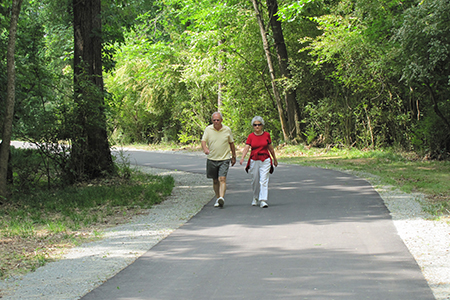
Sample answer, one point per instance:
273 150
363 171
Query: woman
260 163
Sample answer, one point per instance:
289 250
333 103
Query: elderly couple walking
217 141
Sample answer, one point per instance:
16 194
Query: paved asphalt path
325 235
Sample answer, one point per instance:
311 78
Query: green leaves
425 43
291 11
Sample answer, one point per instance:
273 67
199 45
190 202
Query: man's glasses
216 120
257 124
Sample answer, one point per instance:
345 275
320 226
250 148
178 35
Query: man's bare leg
222 186
216 187
219 186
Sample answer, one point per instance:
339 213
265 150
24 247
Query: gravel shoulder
88 266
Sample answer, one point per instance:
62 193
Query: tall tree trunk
292 108
221 84
10 98
436 107
90 150
271 70
440 114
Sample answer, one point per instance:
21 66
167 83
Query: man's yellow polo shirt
218 142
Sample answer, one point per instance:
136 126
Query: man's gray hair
258 118
217 112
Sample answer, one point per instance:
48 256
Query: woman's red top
260 147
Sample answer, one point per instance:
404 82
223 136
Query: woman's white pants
259 170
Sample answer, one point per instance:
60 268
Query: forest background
78 76
364 74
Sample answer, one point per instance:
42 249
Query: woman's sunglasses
257 124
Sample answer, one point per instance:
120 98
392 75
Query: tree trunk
440 114
292 108
221 84
10 98
271 70
436 107
91 153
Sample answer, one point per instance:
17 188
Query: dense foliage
367 74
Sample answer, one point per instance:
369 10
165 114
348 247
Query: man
217 141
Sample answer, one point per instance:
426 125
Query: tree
91 154
292 109
266 47
425 47
360 100
10 98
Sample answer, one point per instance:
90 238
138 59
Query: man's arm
205 149
233 154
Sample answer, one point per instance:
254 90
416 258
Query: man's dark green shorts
217 168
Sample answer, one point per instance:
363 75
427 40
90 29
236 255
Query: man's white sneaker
255 202
263 204
219 202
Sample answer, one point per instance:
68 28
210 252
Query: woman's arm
244 153
272 152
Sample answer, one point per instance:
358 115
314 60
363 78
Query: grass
38 227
